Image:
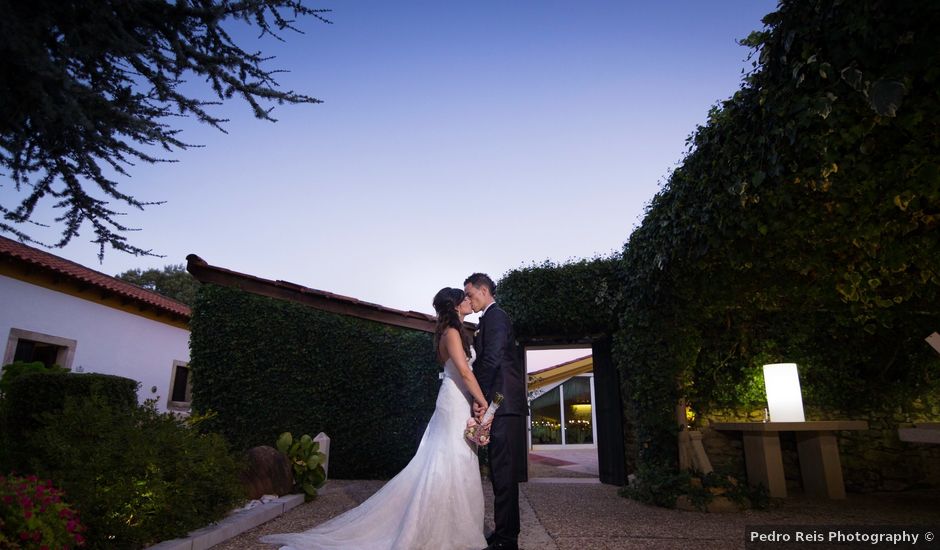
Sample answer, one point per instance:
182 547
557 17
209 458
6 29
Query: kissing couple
436 501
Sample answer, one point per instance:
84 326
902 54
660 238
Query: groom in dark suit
498 371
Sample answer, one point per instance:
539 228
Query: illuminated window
546 419
564 415
579 428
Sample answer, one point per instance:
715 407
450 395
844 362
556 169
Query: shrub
33 516
307 462
31 395
137 476
663 486
18 368
657 486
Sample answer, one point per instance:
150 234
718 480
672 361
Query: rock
268 473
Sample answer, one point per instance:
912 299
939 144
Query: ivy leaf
886 97
904 199
853 77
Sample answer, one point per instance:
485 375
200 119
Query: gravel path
580 516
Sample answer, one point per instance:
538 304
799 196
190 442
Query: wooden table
817 447
921 432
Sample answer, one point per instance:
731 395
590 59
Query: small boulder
268 473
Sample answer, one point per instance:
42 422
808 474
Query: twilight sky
453 137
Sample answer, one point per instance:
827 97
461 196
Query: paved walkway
563 512
563 463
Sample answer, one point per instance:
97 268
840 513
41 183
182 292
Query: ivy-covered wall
803 225
263 366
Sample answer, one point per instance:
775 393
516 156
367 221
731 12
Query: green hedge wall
573 299
266 366
802 226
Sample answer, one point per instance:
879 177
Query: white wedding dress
436 502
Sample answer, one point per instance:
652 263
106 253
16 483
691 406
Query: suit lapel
478 338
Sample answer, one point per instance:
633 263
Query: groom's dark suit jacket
497 368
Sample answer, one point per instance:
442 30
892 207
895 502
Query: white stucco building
59 312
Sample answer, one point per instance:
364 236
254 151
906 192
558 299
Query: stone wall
872 460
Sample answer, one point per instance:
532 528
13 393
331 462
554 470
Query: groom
498 371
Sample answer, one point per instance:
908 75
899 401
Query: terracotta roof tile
319 299
79 273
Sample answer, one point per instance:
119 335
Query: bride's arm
455 351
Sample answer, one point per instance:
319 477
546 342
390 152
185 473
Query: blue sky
453 137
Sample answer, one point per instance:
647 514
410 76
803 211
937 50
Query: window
28 346
546 419
181 387
564 415
578 425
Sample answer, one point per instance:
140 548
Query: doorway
562 421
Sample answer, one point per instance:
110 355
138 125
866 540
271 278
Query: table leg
764 462
820 465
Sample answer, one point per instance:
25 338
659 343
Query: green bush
657 486
307 462
32 394
136 476
663 486
33 516
10 373
19 368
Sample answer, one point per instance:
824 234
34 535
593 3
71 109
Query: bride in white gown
436 502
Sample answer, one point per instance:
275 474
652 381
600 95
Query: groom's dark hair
481 279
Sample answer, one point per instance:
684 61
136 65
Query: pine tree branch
97 82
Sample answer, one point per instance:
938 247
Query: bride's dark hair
445 304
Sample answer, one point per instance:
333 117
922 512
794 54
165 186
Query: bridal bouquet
478 432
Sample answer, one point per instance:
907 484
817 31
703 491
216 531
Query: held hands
478 427
479 409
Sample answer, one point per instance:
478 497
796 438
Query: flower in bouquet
478 431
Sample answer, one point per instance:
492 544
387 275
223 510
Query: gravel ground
592 516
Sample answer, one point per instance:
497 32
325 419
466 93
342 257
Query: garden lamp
784 399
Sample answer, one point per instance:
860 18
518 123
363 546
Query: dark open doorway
576 412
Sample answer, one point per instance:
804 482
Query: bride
436 502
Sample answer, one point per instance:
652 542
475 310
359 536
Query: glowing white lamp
784 399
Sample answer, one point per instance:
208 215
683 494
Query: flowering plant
478 431
34 516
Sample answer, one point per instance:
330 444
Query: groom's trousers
507 451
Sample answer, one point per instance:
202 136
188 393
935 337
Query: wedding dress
436 502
